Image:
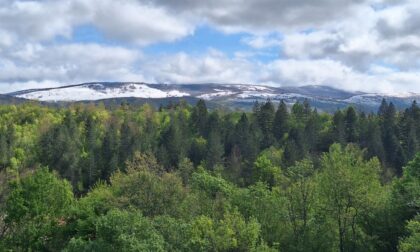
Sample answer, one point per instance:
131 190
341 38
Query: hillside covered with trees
185 178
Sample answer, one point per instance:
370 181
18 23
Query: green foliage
411 243
266 171
186 178
185 170
300 201
211 185
215 150
172 145
198 150
143 162
265 117
348 191
267 207
35 210
176 232
230 233
411 183
121 231
199 118
152 194
350 122
281 121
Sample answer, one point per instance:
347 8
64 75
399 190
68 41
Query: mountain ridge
235 96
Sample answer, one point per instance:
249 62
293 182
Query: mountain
8 99
234 96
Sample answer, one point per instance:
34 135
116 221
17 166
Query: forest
282 177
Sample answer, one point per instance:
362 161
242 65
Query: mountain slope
97 91
234 96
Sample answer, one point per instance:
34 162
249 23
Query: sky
363 45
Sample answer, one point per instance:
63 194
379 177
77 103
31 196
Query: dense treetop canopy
185 178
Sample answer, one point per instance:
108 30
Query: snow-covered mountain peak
229 95
99 91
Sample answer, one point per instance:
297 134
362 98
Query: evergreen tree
198 150
246 148
214 150
256 108
91 169
199 117
265 120
245 139
338 128
234 165
149 139
295 148
383 108
61 150
281 121
408 134
307 110
350 122
299 112
172 142
372 140
110 150
185 130
70 165
128 136
214 123
394 153
5 135
311 132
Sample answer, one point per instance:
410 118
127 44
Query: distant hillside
239 96
8 99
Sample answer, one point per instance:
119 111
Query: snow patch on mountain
250 87
217 93
292 96
365 99
234 95
99 92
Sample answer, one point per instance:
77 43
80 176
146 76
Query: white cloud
212 67
9 87
400 20
108 64
261 41
126 20
264 16
333 73
370 45
69 63
311 45
371 35
38 20
216 67
141 24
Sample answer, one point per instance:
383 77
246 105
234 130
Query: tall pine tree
281 121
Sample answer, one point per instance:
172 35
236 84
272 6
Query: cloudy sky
367 45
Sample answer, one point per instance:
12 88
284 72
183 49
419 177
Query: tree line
185 178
